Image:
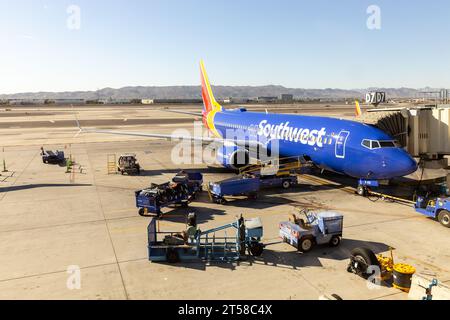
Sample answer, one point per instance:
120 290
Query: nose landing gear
363 186
361 190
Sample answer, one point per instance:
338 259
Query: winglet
358 111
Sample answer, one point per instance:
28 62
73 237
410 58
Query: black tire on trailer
306 244
222 201
172 256
141 212
444 218
367 256
335 241
256 249
286 184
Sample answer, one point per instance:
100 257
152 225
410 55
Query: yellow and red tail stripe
358 111
211 106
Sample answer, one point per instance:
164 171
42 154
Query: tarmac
52 222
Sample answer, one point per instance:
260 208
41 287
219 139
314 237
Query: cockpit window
387 144
375 144
366 143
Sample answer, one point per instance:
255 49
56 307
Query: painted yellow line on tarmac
322 181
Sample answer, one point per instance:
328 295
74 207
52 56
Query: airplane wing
197 114
251 145
151 135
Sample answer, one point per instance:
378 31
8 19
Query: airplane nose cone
400 164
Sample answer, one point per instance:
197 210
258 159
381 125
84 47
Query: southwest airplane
347 147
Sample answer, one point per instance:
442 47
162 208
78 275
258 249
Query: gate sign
375 98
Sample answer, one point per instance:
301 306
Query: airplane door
340 144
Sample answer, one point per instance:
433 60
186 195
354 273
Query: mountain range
193 92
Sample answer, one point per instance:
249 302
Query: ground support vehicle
52 157
240 186
156 197
318 228
128 164
437 208
226 243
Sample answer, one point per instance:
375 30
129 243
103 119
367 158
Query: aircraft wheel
444 218
361 190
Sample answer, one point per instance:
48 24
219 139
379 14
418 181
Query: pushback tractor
438 209
317 229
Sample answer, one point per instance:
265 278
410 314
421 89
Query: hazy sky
310 44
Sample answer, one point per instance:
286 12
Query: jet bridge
424 131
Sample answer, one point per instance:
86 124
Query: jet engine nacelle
233 157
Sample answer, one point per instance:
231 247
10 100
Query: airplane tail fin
210 105
358 111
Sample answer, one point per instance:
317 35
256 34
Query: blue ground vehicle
438 209
319 228
193 180
248 185
211 245
52 157
241 186
275 181
181 191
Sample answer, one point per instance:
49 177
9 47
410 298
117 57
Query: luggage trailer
181 191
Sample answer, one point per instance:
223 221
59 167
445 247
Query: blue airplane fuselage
348 147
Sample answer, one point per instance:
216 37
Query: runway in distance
347 147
